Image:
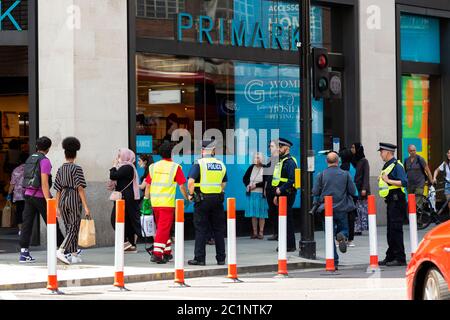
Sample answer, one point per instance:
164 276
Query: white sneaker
127 245
63 257
75 259
351 244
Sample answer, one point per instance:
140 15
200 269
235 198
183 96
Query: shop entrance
14 137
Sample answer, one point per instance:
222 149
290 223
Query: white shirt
257 177
446 168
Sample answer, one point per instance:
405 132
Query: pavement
252 256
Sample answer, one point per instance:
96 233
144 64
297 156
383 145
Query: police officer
283 184
392 183
207 180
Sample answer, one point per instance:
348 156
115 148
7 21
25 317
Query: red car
428 273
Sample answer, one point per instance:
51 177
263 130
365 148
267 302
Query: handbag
86 236
117 195
8 215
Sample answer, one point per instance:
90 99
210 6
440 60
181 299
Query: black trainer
158 260
342 242
196 263
384 262
221 263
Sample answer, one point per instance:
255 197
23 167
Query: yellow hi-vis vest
212 172
383 187
163 187
277 172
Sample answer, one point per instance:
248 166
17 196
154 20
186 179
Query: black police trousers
209 212
396 211
273 212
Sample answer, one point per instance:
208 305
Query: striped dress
68 178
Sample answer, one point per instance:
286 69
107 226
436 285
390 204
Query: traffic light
335 85
321 79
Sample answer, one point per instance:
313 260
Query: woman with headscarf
125 179
362 176
346 165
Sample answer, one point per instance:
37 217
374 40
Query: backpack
32 171
420 164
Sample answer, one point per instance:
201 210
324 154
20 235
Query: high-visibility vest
163 186
277 178
383 187
212 172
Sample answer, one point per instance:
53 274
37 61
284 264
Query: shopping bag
148 226
8 215
146 207
86 236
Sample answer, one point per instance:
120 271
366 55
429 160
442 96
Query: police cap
208 144
387 146
284 142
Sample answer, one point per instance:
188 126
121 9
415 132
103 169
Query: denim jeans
340 225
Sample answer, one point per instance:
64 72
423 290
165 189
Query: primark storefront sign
6 14
274 27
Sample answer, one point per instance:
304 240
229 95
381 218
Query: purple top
16 180
46 168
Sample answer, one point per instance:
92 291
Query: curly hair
71 145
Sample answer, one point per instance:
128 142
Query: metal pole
307 244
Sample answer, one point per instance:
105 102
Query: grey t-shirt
415 172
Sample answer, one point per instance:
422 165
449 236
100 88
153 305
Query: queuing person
71 199
206 184
283 184
161 189
392 183
445 168
335 182
125 179
418 173
362 182
346 165
268 190
37 181
145 160
256 204
16 190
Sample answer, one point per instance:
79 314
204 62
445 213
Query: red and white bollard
231 239
179 243
329 238
119 259
52 283
412 223
282 237
372 212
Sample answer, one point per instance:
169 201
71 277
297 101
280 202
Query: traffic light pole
307 244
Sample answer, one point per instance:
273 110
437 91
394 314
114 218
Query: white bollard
282 236
412 223
329 232
373 242
179 243
119 258
52 283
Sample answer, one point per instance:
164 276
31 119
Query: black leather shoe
384 262
168 257
395 263
273 238
196 263
221 263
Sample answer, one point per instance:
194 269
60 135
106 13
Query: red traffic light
322 61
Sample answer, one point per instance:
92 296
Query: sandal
260 236
253 236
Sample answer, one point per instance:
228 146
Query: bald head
332 159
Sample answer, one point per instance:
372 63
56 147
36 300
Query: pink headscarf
127 157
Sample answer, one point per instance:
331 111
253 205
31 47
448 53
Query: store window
194 98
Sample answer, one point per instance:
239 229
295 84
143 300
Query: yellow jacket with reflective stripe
163 186
277 178
212 172
383 187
